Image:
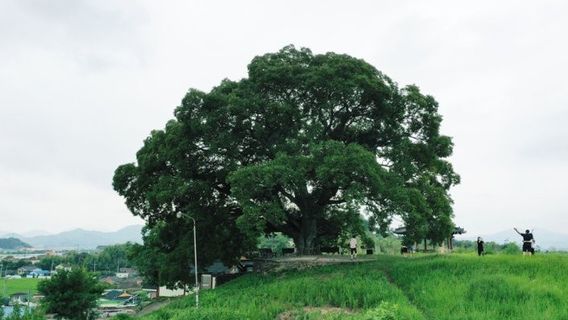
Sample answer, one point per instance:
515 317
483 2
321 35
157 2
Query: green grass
11 286
422 287
490 287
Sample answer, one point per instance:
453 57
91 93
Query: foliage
463 246
511 248
50 262
389 245
110 258
301 146
385 311
10 266
150 258
71 294
275 241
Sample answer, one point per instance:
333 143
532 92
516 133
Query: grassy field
11 286
490 287
423 287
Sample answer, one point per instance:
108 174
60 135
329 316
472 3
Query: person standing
480 249
353 247
528 240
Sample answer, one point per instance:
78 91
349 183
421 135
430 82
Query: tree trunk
305 239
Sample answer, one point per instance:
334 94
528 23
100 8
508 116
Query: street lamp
179 215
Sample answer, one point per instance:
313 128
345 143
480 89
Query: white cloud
53 203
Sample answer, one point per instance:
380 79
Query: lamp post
179 215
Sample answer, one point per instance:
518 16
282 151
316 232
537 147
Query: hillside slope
12 244
421 287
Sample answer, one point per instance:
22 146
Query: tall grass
490 287
423 287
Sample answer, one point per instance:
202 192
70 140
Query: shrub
385 311
511 248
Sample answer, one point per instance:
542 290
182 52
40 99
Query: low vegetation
419 287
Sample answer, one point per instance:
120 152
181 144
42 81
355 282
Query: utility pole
179 215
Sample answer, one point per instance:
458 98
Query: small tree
71 294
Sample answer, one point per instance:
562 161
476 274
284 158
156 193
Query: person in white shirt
353 247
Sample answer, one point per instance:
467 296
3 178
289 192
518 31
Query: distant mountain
544 239
85 239
13 244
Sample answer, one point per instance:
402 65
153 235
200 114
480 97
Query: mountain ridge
12 243
80 238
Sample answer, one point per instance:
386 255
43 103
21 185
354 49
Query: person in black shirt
528 240
479 246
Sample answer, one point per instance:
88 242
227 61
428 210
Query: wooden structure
449 242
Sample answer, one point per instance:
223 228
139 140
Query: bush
385 311
511 248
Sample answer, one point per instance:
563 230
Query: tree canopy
304 145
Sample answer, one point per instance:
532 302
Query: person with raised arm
480 250
528 240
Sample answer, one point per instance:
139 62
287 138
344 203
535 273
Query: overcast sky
82 83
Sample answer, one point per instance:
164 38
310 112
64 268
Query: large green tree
302 146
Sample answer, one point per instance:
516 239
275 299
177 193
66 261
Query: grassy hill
424 287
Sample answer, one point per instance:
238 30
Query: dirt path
284 263
391 280
153 307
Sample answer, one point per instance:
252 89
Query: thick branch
288 195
